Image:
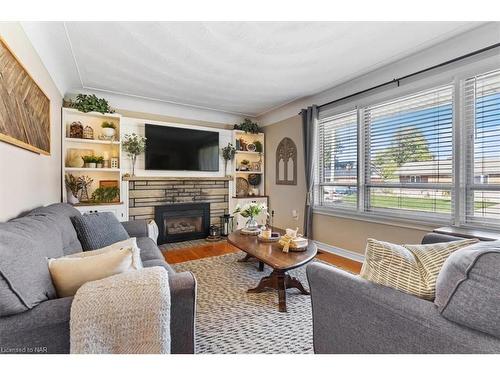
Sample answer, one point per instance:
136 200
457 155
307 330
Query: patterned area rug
229 320
185 244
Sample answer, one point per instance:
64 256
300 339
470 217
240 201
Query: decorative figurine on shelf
244 165
250 147
88 133
115 162
242 144
85 183
76 130
254 180
228 154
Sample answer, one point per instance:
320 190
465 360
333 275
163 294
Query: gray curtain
309 125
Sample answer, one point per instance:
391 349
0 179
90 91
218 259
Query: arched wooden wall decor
286 162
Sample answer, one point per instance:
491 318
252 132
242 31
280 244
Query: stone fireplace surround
146 192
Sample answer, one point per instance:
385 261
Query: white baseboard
340 252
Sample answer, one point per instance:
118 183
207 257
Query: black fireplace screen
182 221
183 225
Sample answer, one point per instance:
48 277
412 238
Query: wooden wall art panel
24 107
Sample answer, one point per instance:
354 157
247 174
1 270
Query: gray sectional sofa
353 315
32 318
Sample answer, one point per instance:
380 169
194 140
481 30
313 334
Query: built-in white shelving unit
72 148
257 193
91 141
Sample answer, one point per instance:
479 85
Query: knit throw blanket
126 313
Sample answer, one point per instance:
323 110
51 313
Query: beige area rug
185 244
229 320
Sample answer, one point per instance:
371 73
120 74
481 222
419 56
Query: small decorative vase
133 160
108 132
71 198
99 165
251 223
91 165
76 162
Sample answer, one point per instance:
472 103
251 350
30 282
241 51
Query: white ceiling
236 67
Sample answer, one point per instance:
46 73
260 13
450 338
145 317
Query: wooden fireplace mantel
162 178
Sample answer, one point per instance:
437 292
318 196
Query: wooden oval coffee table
272 255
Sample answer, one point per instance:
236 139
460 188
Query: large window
338 161
409 154
482 119
408 162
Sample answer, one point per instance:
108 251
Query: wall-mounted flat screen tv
171 148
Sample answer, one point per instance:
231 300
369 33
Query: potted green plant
248 126
108 129
105 194
258 146
73 186
89 161
134 145
228 154
99 161
250 211
89 103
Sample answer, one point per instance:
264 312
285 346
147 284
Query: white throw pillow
69 273
128 243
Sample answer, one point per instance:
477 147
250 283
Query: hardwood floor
221 248
340 262
198 252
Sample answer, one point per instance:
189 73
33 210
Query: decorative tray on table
275 236
297 244
250 232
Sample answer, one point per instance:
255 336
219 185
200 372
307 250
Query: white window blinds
482 121
409 154
338 161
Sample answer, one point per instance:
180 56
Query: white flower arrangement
251 210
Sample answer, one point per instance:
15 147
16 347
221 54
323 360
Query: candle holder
226 225
214 233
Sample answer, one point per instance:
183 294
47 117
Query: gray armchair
353 315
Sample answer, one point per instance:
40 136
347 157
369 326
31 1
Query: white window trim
470 185
455 77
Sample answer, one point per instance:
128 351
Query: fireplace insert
182 221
